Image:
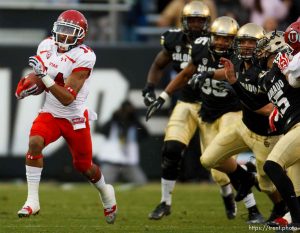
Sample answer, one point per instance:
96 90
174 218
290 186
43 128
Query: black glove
224 86
148 94
196 82
156 105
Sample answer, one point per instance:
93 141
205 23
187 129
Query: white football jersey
293 71
60 66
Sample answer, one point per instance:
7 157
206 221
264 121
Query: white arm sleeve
293 71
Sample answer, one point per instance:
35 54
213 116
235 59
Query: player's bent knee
206 163
36 144
171 159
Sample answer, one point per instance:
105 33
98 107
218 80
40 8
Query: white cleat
109 204
26 211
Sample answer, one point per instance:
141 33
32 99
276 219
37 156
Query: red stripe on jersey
81 69
43 51
72 60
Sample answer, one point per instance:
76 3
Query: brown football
32 78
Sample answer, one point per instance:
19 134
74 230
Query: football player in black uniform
183 122
283 91
253 132
220 104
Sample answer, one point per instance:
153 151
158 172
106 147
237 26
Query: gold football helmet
246 39
273 42
223 30
195 19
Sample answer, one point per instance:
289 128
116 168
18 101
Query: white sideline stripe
156 125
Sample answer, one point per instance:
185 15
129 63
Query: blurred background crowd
137 20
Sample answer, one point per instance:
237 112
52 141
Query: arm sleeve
293 71
248 100
85 62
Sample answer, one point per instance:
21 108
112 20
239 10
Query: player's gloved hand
273 118
38 65
197 80
148 94
156 105
25 89
282 60
224 86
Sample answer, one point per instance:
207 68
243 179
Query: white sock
226 190
100 185
249 200
33 175
167 187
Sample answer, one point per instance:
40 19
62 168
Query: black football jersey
218 97
248 79
176 44
283 96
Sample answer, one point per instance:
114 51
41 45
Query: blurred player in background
282 84
220 104
183 122
64 64
253 132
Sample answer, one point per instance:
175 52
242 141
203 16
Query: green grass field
76 208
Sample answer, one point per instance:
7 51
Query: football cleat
230 206
109 204
277 213
110 214
161 210
26 211
281 221
255 218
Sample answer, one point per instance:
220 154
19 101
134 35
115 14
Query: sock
239 175
285 187
33 175
167 187
249 201
226 190
100 185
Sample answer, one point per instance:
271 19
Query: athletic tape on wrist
164 95
48 81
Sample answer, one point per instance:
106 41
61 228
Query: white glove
38 65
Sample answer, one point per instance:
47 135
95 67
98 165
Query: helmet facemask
271 44
195 26
245 48
67 35
221 45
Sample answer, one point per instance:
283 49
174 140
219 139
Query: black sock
280 207
285 187
253 209
238 176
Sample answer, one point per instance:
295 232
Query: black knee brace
172 153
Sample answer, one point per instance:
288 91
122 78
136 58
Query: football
32 78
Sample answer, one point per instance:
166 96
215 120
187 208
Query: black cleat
245 187
255 217
161 210
230 206
278 211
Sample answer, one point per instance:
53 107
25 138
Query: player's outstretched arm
155 74
181 79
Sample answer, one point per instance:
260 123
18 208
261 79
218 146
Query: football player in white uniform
64 64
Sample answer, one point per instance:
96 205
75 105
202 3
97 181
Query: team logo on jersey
178 48
204 61
48 55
